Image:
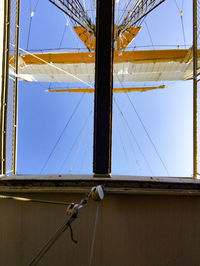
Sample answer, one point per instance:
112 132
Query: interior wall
137 230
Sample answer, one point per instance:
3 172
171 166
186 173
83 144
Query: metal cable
122 144
36 5
62 132
183 30
131 145
128 48
30 23
78 149
94 235
74 143
33 200
131 131
75 11
149 35
45 248
56 67
29 31
148 135
144 127
62 37
51 241
181 16
84 155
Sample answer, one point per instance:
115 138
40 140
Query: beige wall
133 230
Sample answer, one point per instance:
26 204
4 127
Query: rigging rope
30 22
79 146
133 135
181 17
29 30
33 200
183 30
58 233
56 67
62 132
75 11
149 34
62 37
131 145
84 155
121 140
148 135
73 33
94 235
146 131
74 210
50 242
137 13
135 47
76 139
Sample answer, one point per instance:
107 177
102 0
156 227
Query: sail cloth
129 66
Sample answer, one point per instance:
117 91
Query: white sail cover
140 67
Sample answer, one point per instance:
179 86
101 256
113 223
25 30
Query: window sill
115 184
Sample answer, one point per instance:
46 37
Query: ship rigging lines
75 69
129 14
76 11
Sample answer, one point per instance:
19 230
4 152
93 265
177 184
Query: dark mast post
103 87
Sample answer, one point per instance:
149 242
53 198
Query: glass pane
56 97
152 121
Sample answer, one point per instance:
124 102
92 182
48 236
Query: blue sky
166 114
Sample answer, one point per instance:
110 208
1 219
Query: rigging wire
75 141
181 17
183 30
128 48
62 132
59 232
29 30
36 5
75 11
131 144
62 37
51 241
30 22
78 150
122 144
124 12
133 135
182 4
33 200
84 155
147 133
149 34
56 67
73 33
30 5
136 13
177 5
94 235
